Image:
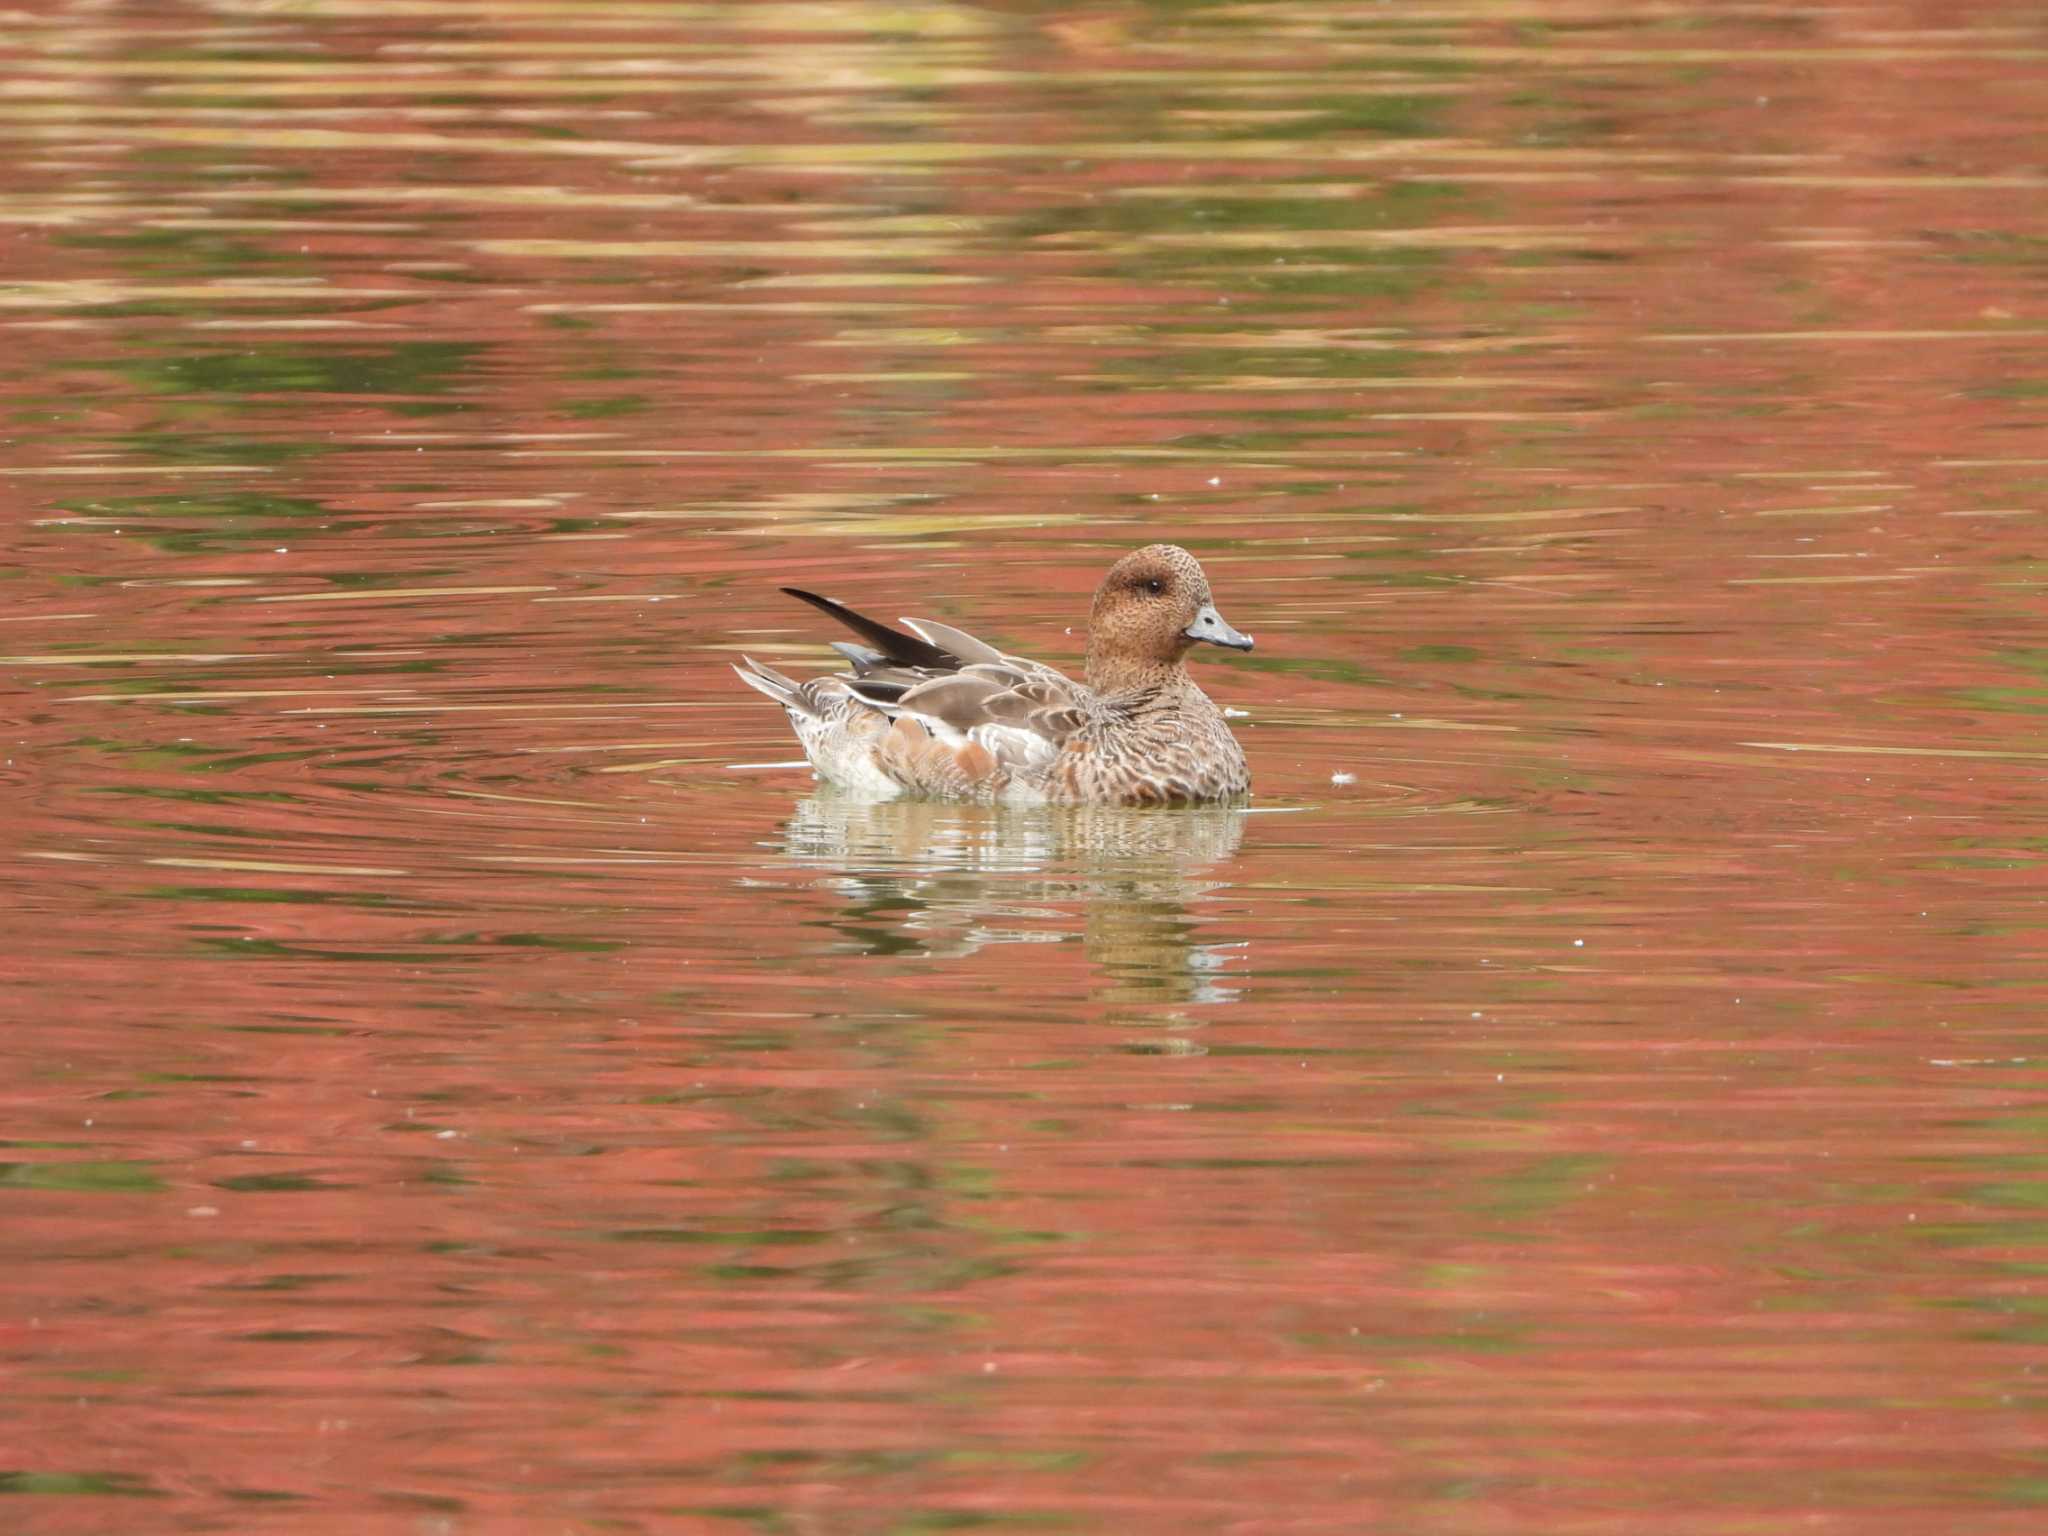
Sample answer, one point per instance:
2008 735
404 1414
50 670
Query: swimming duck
937 712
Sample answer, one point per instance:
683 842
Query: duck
939 714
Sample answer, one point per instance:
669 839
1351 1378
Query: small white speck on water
203 1210
1215 479
1578 943
1343 778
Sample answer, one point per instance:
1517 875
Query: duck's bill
1212 628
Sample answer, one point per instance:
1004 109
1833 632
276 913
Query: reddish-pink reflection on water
1598 1082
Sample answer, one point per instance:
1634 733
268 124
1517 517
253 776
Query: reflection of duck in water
940 713
948 879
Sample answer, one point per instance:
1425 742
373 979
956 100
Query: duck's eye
1155 586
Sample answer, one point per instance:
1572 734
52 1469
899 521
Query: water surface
455 1087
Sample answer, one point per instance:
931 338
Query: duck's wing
1019 711
1016 713
966 718
893 662
891 646
954 642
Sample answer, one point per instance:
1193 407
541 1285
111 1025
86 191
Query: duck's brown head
1151 607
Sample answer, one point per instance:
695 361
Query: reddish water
1598 1087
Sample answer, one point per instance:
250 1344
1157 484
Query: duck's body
940 713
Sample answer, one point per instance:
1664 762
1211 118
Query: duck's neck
1113 675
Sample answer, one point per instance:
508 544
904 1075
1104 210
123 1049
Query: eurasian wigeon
938 712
